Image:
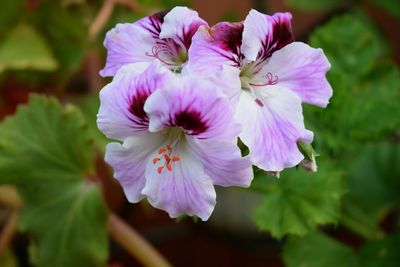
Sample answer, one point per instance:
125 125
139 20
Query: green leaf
381 253
24 48
391 6
46 152
317 250
10 12
351 44
374 186
320 250
90 107
313 5
298 201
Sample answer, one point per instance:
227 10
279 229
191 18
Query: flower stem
9 231
134 243
9 197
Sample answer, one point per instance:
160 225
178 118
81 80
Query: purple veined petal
272 126
129 162
263 34
223 162
216 46
180 24
121 113
183 189
302 69
192 104
127 43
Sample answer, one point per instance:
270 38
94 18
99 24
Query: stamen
157 49
159 169
169 166
166 158
271 80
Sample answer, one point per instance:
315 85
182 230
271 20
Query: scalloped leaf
46 152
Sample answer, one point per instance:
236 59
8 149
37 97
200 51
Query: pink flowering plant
212 125
183 93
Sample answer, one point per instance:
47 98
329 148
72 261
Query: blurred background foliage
346 214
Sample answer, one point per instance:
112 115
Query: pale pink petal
194 105
121 113
129 162
223 162
263 34
180 24
185 189
216 46
302 69
127 43
272 126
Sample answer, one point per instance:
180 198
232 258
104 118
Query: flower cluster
182 94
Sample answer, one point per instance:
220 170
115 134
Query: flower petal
127 43
223 162
185 189
129 162
121 111
302 69
196 106
271 131
216 46
263 34
226 79
180 24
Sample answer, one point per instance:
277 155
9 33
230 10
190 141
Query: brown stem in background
134 243
9 197
9 231
106 10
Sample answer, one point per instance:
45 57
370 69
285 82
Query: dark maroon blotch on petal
137 108
281 36
190 121
229 35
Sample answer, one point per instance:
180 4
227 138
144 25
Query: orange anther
167 158
176 158
155 160
159 169
169 166
168 147
162 150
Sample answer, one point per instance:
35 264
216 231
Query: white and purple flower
276 76
164 36
179 139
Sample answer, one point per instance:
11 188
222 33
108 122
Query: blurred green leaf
351 44
320 250
46 152
90 107
374 186
24 48
391 6
66 28
364 85
381 253
10 12
313 5
298 201
317 250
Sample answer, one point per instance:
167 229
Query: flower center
249 80
172 57
167 157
